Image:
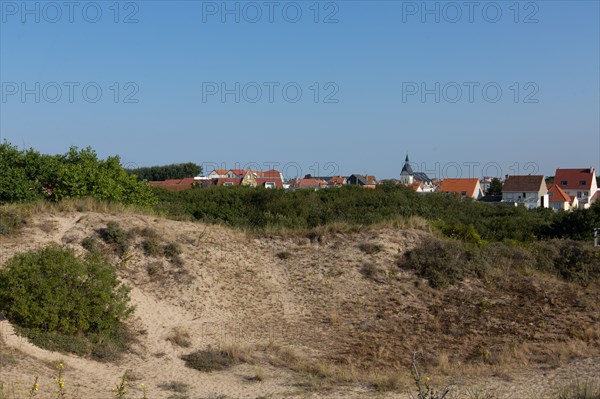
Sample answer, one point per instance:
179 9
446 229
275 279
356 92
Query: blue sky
362 69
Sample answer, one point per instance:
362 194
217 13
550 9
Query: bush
11 220
116 237
445 262
52 290
28 175
209 360
172 250
90 244
151 247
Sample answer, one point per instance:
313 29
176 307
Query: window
582 182
463 193
563 183
585 193
579 194
557 205
524 195
228 183
270 184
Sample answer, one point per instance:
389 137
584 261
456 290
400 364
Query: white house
462 187
580 183
529 191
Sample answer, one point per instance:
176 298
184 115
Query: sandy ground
233 289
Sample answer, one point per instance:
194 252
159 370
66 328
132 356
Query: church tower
407 174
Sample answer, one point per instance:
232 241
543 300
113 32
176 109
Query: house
336 181
175 184
408 177
559 199
580 183
529 191
332 181
462 187
224 181
233 173
362 180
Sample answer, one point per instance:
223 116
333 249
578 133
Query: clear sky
513 86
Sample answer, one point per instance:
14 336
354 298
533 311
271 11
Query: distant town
569 188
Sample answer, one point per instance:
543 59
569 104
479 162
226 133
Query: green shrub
28 175
116 237
90 244
52 290
151 247
11 220
445 262
460 231
209 360
576 261
172 250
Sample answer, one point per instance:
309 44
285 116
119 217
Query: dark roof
530 183
361 180
422 177
407 168
491 198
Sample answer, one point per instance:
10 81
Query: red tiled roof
269 173
235 181
557 194
221 172
262 180
530 183
337 180
415 186
459 186
573 177
174 184
308 183
237 172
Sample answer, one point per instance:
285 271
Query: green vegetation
274 210
166 172
28 175
210 360
445 262
63 302
11 219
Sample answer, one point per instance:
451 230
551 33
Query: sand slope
235 290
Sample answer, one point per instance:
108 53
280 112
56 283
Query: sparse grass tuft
151 247
370 248
116 237
172 250
284 255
